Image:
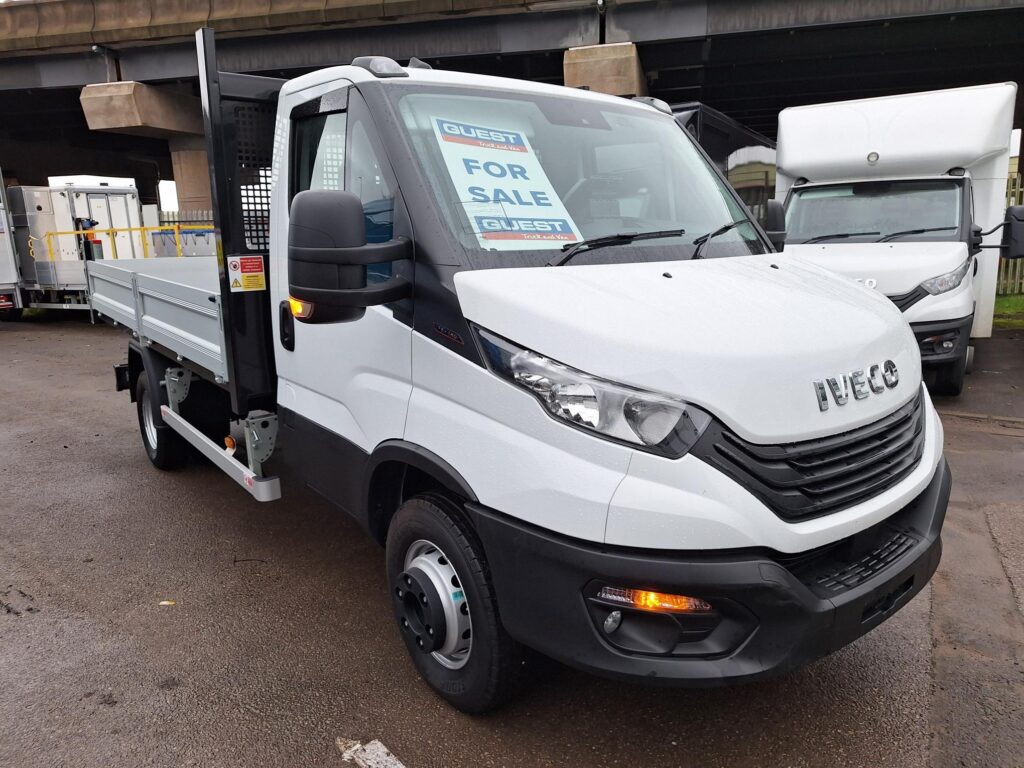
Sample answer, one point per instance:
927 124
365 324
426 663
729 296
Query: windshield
520 175
870 210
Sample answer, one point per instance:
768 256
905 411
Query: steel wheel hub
147 419
432 606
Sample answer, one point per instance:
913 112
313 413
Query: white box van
906 194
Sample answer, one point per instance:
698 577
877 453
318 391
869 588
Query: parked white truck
51 233
532 342
906 194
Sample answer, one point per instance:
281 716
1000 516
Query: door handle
287 326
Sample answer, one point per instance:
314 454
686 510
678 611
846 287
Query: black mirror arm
363 255
393 289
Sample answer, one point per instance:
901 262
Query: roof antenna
415 63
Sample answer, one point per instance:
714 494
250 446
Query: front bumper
773 612
956 331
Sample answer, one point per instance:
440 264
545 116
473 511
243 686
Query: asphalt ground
280 638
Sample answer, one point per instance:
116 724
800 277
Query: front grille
808 479
906 300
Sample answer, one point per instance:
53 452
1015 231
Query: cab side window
340 151
319 161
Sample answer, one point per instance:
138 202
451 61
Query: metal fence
1011 271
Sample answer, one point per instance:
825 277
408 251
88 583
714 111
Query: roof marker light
380 66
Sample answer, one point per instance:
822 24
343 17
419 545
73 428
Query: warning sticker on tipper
245 273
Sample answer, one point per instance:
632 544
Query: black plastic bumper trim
540 580
961 325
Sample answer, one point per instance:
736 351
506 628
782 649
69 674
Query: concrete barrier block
65 23
464 6
613 69
140 109
292 13
19 26
176 18
396 9
352 10
116 20
238 15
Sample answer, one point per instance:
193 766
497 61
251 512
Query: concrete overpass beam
613 69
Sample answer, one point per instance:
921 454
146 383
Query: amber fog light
646 600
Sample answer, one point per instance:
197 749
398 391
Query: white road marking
371 755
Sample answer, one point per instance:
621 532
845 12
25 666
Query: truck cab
532 341
906 194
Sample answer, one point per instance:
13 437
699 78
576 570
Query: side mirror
976 239
1013 233
328 255
775 224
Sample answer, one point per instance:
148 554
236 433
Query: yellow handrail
147 233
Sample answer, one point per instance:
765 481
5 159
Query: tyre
11 315
445 606
165 447
949 379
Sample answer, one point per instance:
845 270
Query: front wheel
445 606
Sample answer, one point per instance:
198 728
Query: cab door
348 383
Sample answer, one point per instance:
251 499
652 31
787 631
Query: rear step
260 433
261 488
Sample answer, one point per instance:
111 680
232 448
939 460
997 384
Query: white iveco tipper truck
906 193
530 339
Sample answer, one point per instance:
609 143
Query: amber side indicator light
301 310
646 600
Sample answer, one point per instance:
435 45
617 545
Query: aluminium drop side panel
171 302
239 112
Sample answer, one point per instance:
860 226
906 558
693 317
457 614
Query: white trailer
906 194
532 341
57 230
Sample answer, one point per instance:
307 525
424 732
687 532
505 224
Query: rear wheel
165 447
445 606
11 315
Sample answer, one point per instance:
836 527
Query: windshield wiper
571 249
705 238
836 236
893 235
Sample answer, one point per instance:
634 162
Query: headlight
648 420
948 281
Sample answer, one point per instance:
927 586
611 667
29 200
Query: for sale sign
245 273
502 187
